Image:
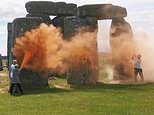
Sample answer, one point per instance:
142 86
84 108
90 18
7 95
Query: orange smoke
46 50
123 48
83 56
35 43
146 49
26 59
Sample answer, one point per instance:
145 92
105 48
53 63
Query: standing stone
80 73
123 48
30 79
73 23
19 27
86 70
9 44
58 22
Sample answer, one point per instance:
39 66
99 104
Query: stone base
30 80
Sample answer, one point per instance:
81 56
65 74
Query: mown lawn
101 99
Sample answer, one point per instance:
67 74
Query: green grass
101 99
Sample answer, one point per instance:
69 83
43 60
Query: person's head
14 62
139 56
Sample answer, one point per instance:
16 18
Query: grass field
101 99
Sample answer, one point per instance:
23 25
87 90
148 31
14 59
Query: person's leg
20 88
135 74
141 75
16 88
11 88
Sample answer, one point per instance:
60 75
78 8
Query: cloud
142 20
11 9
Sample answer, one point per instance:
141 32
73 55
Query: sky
140 16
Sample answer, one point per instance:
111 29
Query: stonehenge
68 17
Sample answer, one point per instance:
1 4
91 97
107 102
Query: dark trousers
13 86
140 72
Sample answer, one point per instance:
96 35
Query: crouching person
15 81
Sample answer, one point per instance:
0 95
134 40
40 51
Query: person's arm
133 57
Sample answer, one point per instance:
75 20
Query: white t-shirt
12 68
137 63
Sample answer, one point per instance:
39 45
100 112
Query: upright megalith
85 69
21 25
80 73
9 44
123 48
17 29
32 79
73 24
120 26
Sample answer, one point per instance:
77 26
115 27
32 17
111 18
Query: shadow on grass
45 90
116 87
91 88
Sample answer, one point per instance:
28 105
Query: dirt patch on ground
3 74
3 90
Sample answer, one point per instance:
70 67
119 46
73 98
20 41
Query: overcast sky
140 14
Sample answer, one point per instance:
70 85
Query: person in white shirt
15 81
12 67
138 67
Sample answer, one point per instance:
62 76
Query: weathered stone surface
120 26
58 21
46 19
19 27
31 79
72 24
123 48
102 11
79 74
83 73
9 44
51 8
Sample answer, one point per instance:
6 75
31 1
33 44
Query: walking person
138 68
12 67
15 81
